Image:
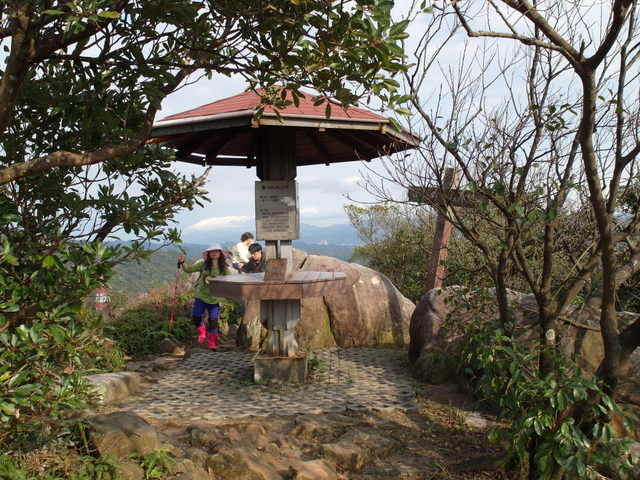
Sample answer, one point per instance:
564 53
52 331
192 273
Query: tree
393 245
538 108
396 243
80 87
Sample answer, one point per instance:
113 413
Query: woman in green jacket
213 264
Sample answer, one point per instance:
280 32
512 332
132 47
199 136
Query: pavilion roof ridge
246 103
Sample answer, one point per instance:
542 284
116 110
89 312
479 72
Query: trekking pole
175 297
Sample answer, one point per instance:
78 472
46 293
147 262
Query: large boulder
371 311
430 338
629 383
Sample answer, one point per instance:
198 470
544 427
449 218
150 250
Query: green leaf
48 261
544 463
394 123
109 14
403 111
58 333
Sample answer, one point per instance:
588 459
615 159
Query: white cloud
331 180
216 223
311 211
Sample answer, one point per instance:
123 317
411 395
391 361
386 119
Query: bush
142 325
544 435
139 331
42 370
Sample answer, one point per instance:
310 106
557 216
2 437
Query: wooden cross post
442 235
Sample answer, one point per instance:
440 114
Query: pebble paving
218 385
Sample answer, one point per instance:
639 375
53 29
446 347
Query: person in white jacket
239 253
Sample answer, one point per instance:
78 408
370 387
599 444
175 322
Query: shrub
544 435
58 465
42 370
140 327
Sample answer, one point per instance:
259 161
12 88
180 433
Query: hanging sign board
277 215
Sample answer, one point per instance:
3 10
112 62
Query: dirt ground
439 443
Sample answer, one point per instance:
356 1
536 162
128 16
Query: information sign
277 215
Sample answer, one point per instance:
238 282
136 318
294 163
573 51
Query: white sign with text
277 216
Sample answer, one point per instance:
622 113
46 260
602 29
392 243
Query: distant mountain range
343 234
336 241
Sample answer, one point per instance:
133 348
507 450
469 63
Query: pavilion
229 133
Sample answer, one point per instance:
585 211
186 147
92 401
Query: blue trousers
213 309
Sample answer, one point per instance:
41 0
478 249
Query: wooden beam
443 199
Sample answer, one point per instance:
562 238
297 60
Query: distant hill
342 234
336 241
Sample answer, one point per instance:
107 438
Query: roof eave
245 118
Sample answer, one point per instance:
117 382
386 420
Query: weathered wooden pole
442 236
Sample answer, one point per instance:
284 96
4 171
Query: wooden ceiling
224 133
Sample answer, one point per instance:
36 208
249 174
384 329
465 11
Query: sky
322 189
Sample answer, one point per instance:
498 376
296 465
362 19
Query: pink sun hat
214 246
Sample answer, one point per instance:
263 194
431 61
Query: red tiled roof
249 101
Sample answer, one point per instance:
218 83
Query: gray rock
184 465
200 436
115 387
245 464
171 346
429 341
129 470
121 433
476 420
629 384
196 455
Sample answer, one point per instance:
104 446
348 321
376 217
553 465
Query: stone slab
280 369
302 284
115 387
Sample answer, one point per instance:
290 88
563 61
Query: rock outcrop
429 339
371 311
120 434
275 449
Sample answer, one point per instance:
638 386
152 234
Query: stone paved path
215 385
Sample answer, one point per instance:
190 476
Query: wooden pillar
278 162
282 317
439 252
440 247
